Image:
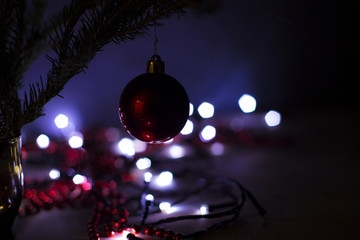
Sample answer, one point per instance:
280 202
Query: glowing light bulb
272 118
247 103
204 209
191 109
176 151
76 140
126 147
61 121
188 128
43 141
54 174
217 148
79 179
143 163
164 206
208 133
148 176
149 197
206 110
164 179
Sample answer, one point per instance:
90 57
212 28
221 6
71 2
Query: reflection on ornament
154 106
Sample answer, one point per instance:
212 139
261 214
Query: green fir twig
80 30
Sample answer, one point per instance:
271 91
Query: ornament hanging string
156 40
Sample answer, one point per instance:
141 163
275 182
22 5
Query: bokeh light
79 179
272 118
143 163
204 209
164 206
176 151
206 110
127 147
188 128
191 109
54 174
164 179
61 121
76 140
43 141
208 133
148 176
217 149
247 103
149 197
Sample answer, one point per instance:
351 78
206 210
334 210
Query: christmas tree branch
76 34
98 24
22 38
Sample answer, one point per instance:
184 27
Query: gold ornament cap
155 65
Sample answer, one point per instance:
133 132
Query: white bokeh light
148 176
208 133
188 128
164 179
143 163
217 148
43 141
61 121
247 103
79 179
272 118
206 110
127 147
54 174
191 109
76 140
176 151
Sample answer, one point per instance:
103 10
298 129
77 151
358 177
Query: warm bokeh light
43 141
61 121
126 147
272 118
164 179
247 103
188 128
208 133
143 163
206 110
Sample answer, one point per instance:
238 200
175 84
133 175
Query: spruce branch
80 30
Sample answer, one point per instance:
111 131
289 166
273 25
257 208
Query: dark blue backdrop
289 55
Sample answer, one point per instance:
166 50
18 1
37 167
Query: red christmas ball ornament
154 106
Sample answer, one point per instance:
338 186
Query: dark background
290 55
